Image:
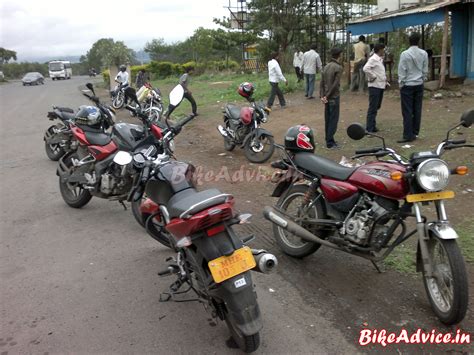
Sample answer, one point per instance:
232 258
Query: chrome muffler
222 131
266 262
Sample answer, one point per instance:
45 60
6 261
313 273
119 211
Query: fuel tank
127 135
375 178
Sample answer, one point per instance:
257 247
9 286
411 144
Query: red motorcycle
362 210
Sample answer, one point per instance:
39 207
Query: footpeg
171 269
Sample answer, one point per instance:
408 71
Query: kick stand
377 267
174 290
123 204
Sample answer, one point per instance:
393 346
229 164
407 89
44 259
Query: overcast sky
38 28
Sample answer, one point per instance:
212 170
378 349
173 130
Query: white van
60 69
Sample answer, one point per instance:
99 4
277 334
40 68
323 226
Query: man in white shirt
122 76
297 62
374 69
274 77
311 64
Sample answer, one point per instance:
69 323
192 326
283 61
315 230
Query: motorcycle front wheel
293 205
53 151
73 193
447 290
259 150
118 100
154 228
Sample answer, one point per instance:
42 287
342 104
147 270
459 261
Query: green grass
466 239
215 90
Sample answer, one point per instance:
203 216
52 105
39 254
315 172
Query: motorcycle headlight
433 175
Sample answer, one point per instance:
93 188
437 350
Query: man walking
329 93
274 77
184 82
311 64
377 78
361 51
297 62
412 71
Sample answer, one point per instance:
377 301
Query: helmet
123 67
88 115
246 90
246 114
299 139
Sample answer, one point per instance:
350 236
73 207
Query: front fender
442 230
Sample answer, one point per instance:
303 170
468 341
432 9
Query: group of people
369 70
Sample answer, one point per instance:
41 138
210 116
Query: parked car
33 78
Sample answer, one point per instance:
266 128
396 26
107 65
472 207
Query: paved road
84 281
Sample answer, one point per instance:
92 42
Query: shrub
106 76
161 69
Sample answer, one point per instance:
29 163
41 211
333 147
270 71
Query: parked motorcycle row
360 210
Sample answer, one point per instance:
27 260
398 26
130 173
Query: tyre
154 228
448 290
228 143
259 150
53 151
118 101
246 343
73 194
292 204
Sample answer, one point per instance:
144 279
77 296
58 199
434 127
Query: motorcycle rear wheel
246 343
448 290
229 145
153 227
53 151
73 194
255 150
289 243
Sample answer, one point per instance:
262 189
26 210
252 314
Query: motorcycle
150 102
118 96
100 166
242 128
362 211
58 138
211 259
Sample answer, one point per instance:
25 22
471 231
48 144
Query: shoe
195 114
375 130
405 140
305 95
335 146
311 97
283 107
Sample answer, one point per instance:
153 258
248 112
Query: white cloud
61 27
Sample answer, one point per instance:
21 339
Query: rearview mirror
90 87
467 118
176 95
356 131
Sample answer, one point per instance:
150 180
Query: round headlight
433 175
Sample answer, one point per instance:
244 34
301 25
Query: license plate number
430 196
225 267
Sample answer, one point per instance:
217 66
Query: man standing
329 93
361 51
412 71
375 72
184 82
274 77
141 79
297 62
311 64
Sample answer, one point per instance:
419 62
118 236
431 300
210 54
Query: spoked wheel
153 227
118 100
294 206
53 151
229 144
246 343
259 150
447 290
73 193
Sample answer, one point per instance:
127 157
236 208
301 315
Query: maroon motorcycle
362 210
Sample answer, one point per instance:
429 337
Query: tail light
215 230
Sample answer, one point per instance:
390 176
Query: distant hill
44 59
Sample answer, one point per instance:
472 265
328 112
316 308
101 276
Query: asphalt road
85 281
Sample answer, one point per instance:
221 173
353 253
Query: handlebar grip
146 173
368 151
457 141
186 120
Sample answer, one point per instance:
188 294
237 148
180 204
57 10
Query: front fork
440 229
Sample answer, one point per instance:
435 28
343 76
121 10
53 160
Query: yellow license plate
430 196
225 267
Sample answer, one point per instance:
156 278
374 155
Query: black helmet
246 90
123 67
299 139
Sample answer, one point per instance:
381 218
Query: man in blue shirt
412 71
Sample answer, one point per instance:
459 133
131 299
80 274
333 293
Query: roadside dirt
343 289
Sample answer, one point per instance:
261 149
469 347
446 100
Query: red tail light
215 230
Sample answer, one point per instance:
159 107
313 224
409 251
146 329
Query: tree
106 52
6 55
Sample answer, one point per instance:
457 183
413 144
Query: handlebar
457 141
369 150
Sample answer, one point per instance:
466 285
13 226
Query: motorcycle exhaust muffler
222 131
266 262
277 218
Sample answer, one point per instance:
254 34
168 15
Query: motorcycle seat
189 202
66 116
233 111
97 138
322 166
64 109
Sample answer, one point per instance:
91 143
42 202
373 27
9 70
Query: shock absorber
311 192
